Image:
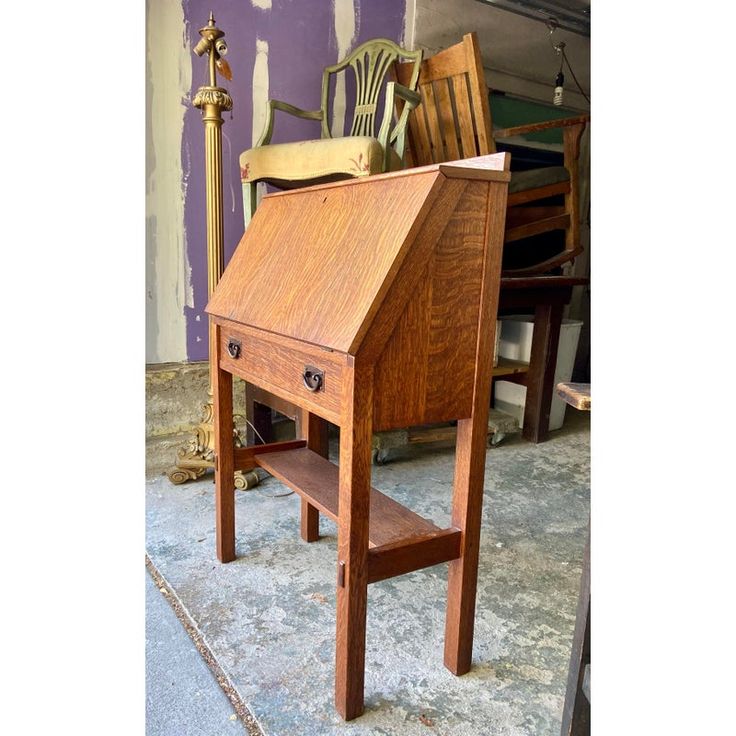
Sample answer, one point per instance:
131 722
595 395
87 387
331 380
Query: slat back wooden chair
454 121
368 149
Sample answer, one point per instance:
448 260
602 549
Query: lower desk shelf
399 540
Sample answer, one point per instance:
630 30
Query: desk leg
462 579
222 391
352 545
314 430
541 376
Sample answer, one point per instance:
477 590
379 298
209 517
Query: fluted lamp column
197 456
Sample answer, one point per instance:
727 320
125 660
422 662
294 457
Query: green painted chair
363 152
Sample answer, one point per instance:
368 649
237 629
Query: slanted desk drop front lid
315 264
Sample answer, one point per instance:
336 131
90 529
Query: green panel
507 111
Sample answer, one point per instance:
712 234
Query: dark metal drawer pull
314 378
233 348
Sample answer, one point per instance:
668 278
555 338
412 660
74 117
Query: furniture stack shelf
371 304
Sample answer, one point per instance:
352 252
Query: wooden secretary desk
369 303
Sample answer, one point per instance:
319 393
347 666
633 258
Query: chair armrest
386 136
406 94
536 127
265 138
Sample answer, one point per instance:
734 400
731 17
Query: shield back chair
454 122
368 149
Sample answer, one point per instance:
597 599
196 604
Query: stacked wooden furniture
379 313
454 121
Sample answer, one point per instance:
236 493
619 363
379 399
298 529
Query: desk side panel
425 373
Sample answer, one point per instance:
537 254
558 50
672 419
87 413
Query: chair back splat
362 153
370 62
454 119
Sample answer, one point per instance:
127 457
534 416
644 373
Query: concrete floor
269 617
182 695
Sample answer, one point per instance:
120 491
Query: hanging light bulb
559 47
559 82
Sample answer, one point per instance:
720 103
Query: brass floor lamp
197 456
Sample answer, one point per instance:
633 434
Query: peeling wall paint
407 37
347 19
168 275
260 98
277 48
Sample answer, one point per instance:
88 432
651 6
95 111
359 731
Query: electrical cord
256 432
575 79
268 493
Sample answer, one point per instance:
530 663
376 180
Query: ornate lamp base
198 455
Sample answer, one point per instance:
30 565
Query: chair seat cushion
522 181
290 165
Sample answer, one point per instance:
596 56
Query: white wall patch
345 12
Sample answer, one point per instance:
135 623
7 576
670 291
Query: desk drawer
309 376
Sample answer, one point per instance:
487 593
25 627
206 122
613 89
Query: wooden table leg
222 393
470 465
352 543
314 430
541 375
462 579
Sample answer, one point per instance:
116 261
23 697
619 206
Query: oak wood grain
454 103
413 553
470 452
354 501
427 365
325 283
422 339
317 480
463 106
278 366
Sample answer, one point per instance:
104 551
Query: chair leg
250 201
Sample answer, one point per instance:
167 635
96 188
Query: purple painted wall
301 39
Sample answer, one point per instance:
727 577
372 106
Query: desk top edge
492 167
